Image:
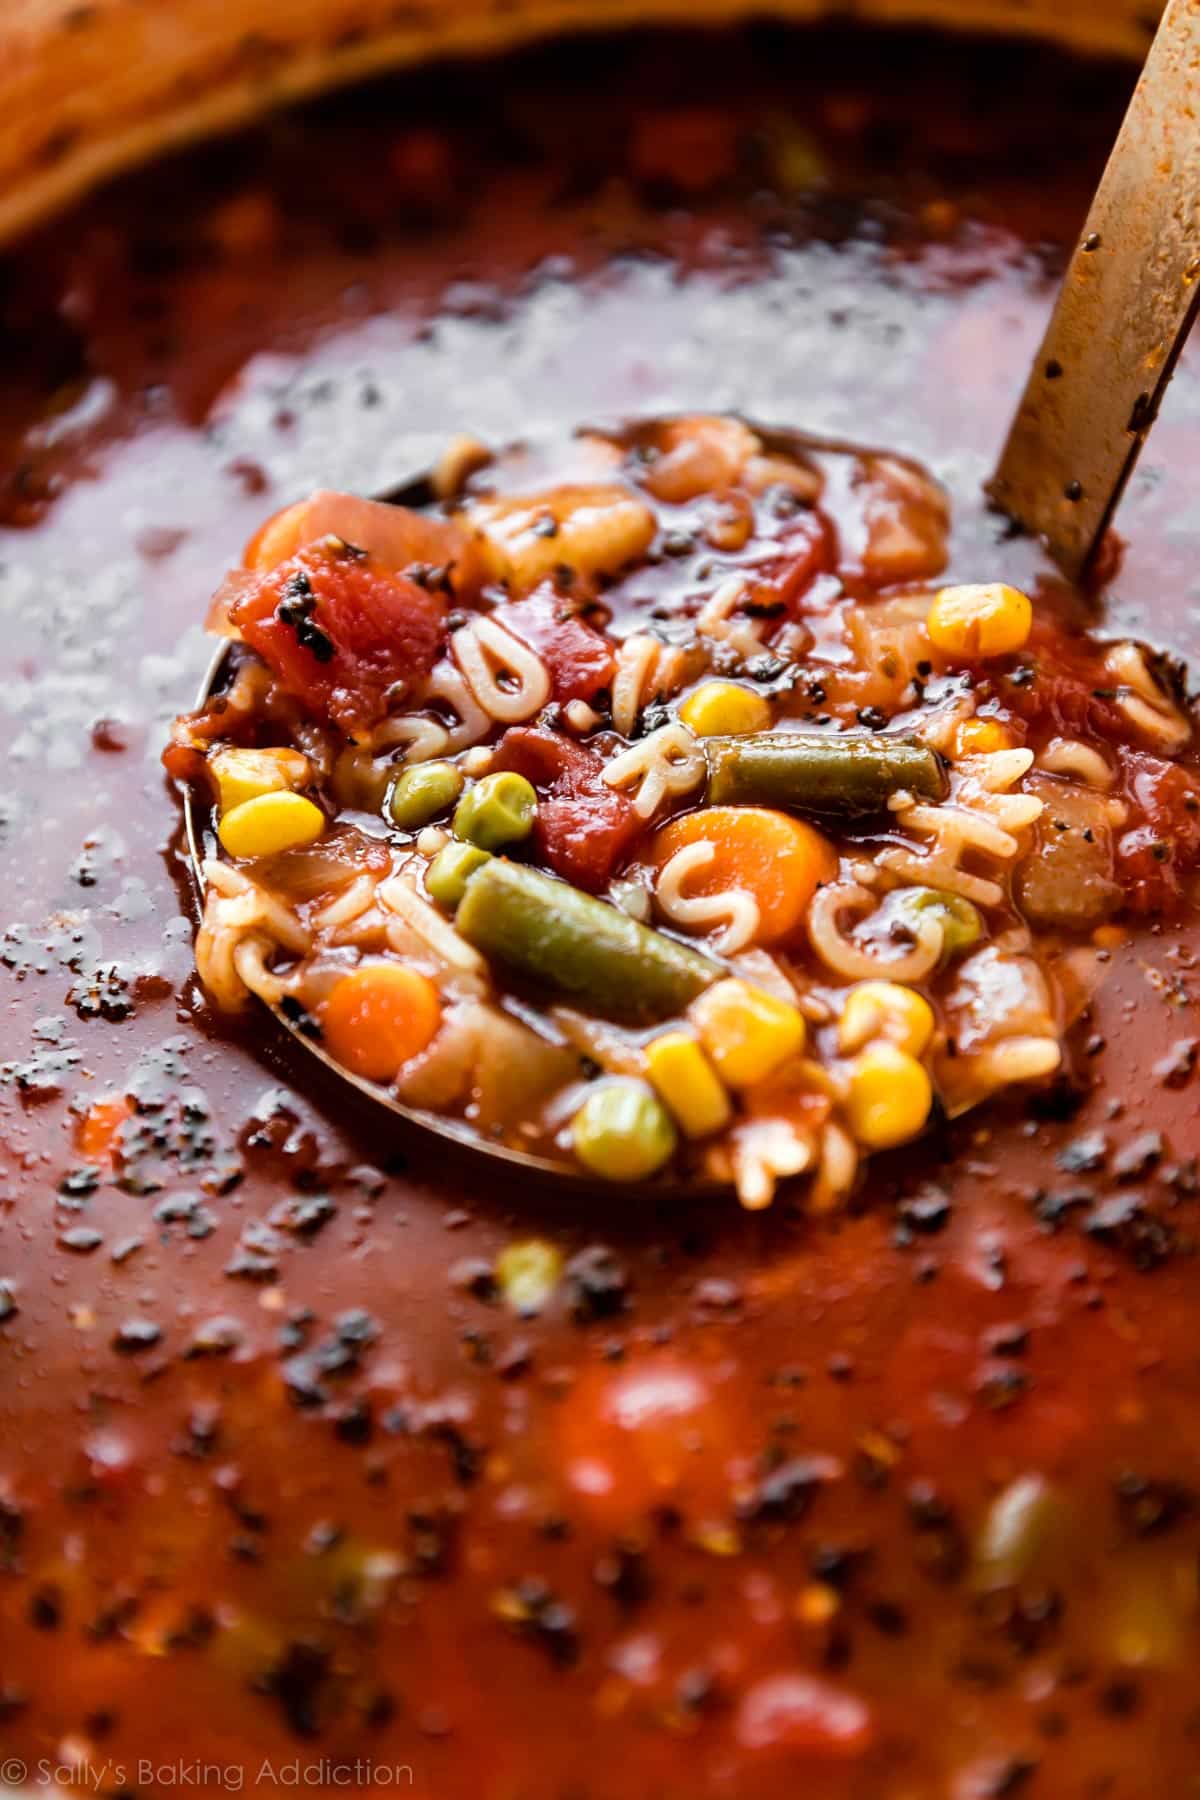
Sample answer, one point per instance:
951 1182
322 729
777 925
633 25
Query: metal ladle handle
1123 312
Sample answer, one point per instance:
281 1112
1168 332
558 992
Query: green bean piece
622 1131
827 776
582 949
498 810
961 922
447 875
423 791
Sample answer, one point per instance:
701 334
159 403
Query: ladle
1123 312
419 490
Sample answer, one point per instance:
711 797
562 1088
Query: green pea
498 810
422 792
447 876
961 922
622 1132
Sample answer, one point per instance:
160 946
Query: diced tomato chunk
804 548
579 660
339 632
1070 692
183 761
1146 867
654 1432
1154 855
1169 795
583 827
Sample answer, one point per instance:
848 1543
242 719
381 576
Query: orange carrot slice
394 537
778 860
379 1017
278 538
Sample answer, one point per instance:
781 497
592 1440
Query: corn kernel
687 1083
980 620
888 1096
884 1009
245 774
979 737
817 1603
270 823
527 1273
725 709
747 1032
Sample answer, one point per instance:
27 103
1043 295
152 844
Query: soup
465 762
326 1444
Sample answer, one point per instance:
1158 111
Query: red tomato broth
267 1452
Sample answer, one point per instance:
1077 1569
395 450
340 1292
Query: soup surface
330 1454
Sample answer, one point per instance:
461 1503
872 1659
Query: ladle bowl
420 490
